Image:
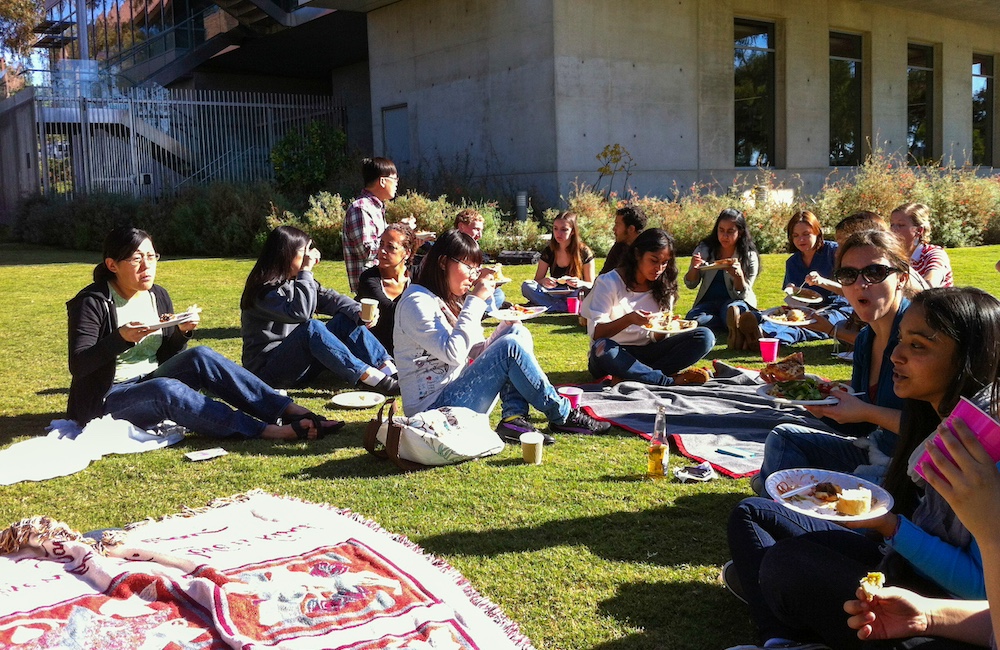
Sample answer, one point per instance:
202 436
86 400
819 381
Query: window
753 68
982 109
920 102
845 99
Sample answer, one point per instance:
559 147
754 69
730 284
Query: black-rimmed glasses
473 270
873 274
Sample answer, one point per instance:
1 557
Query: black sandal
318 422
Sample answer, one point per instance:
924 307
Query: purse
441 436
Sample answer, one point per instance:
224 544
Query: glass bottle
659 449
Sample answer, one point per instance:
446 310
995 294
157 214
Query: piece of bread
871 583
856 501
789 368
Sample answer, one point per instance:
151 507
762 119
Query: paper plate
769 315
560 291
797 300
786 480
359 399
513 314
765 391
713 266
669 333
176 320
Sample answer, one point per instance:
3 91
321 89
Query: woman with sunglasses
725 265
283 344
124 367
911 222
446 360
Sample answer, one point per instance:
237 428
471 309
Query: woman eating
565 262
446 360
626 302
386 281
283 344
725 265
126 366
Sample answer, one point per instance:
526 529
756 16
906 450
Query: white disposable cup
532 443
368 308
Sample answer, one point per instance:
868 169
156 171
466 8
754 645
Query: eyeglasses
473 270
137 259
873 274
394 179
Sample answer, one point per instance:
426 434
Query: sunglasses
873 274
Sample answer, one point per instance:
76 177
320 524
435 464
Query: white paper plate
713 266
560 291
176 320
793 300
513 314
845 356
670 333
358 399
765 391
768 315
786 480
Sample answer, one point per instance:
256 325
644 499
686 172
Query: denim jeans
793 445
653 363
341 346
537 295
173 392
712 313
791 335
508 368
755 526
493 302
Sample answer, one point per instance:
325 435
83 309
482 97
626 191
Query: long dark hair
653 240
451 244
971 318
275 260
744 242
120 244
575 247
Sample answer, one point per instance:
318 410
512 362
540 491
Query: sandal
302 432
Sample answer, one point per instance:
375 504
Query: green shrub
323 220
80 223
305 163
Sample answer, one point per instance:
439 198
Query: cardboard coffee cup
368 308
532 444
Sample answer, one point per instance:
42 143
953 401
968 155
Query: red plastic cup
572 393
573 305
987 430
769 350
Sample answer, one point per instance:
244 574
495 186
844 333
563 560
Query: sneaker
388 386
579 422
790 645
731 580
757 485
735 340
512 428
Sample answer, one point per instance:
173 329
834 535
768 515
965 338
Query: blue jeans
791 335
537 295
793 445
341 346
755 526
173 392
652 363
493 302
506 368
712 313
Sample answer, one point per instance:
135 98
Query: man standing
365 219
629 222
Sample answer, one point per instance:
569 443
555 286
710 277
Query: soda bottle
659 454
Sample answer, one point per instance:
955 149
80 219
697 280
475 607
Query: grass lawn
583 551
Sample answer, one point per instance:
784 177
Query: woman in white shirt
625 300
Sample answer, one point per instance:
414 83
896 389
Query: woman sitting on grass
911 222
283 344
732 264
141 374
386 281
445 359
630 297
795 571
566 262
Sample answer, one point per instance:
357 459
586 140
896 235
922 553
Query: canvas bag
441 436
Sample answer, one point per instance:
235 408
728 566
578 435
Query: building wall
535 90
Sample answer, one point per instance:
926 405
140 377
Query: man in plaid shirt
365 219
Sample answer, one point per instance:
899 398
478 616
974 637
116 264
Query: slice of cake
857 501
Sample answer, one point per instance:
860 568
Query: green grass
583 551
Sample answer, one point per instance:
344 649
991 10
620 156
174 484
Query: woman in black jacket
124 363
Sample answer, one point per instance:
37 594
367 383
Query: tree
17 22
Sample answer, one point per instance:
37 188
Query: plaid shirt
363 227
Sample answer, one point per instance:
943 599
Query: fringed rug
253 571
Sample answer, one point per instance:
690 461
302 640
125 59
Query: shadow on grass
218 333
674 614
61 390
650 536
31 424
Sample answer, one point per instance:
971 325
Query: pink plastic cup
572 393
769 350
987 430
573 305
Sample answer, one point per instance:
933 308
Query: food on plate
497 270
563 280
827 491
667 322
806 295
521 309
786 314
855 501
787 368
871 584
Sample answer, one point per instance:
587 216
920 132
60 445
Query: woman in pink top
911 222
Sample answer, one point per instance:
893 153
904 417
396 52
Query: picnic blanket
725 412
253 571
68 449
